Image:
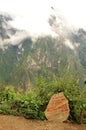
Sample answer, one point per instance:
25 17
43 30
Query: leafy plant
32 103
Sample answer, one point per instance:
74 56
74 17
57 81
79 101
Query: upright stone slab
58 108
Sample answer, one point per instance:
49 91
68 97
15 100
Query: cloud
59 25
9 34
73 10
32 15
17 38
43 17
14 39
69 44
29 15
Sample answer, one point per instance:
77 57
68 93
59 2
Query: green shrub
33 104
5 109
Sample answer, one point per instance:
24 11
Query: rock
58 108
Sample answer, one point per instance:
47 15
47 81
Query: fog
33 15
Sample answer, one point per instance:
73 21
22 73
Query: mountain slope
23 59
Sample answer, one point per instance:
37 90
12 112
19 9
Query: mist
58 18
33 15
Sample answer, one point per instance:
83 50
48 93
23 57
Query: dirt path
20 123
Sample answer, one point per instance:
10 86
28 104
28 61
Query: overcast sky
33 14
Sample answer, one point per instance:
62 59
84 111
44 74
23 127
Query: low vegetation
32 103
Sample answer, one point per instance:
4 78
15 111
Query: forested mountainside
23 59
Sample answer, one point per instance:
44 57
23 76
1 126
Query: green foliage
72 91
45 56
20 104
33 104
76 107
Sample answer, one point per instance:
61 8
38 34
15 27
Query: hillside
23 58
33 68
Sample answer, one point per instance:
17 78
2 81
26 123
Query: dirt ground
20 123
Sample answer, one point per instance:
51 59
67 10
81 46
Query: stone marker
58 108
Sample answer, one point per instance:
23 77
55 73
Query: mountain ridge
22 58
